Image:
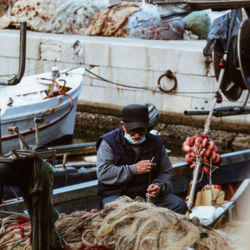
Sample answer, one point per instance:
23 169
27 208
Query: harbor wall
130 71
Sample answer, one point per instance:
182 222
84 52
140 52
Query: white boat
32 98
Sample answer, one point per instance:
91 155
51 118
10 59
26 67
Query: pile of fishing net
123 224
4 6
57 16
15 233
147 24
95 18
36 12
74 16
111 21
129 20
198 22
127 224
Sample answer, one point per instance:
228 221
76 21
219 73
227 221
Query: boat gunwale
73 92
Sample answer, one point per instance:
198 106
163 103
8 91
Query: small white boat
51 100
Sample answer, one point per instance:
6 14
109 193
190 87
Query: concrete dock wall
136 65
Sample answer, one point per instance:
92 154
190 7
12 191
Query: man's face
136 134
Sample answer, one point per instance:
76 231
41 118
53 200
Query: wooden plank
65 199
75 149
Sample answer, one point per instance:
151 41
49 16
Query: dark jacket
125 155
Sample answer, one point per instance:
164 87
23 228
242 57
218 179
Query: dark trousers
170 201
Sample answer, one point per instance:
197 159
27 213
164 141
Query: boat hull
57 114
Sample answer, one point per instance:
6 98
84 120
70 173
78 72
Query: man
133 162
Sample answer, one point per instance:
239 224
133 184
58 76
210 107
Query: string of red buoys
203 148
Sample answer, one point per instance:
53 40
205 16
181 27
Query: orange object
211 145
204 142
217 187
198 142
214 155
188 158
207 153
186 148
206 169
202 146
203 135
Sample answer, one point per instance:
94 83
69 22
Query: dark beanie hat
135 116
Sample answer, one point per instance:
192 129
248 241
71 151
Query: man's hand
153 190
144 166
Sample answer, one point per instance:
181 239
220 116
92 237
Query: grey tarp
221 28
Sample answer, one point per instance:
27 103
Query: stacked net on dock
36 12
57 16
111 21
127 224
130 20
147 24
95 18
15 233
4 5
74 16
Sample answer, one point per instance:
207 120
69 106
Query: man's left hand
153 190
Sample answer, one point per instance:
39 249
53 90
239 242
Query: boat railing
23 144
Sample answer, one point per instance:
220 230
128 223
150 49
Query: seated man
133 162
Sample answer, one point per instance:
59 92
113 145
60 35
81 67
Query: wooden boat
233 176
32 103
71 163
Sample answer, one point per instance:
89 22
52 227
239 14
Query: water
236 233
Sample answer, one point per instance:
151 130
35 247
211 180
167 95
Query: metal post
1 152
23 144
37 121
194 183
22 57
209 118
37 132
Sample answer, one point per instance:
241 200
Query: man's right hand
144 166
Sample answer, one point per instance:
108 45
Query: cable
115 83
97 77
